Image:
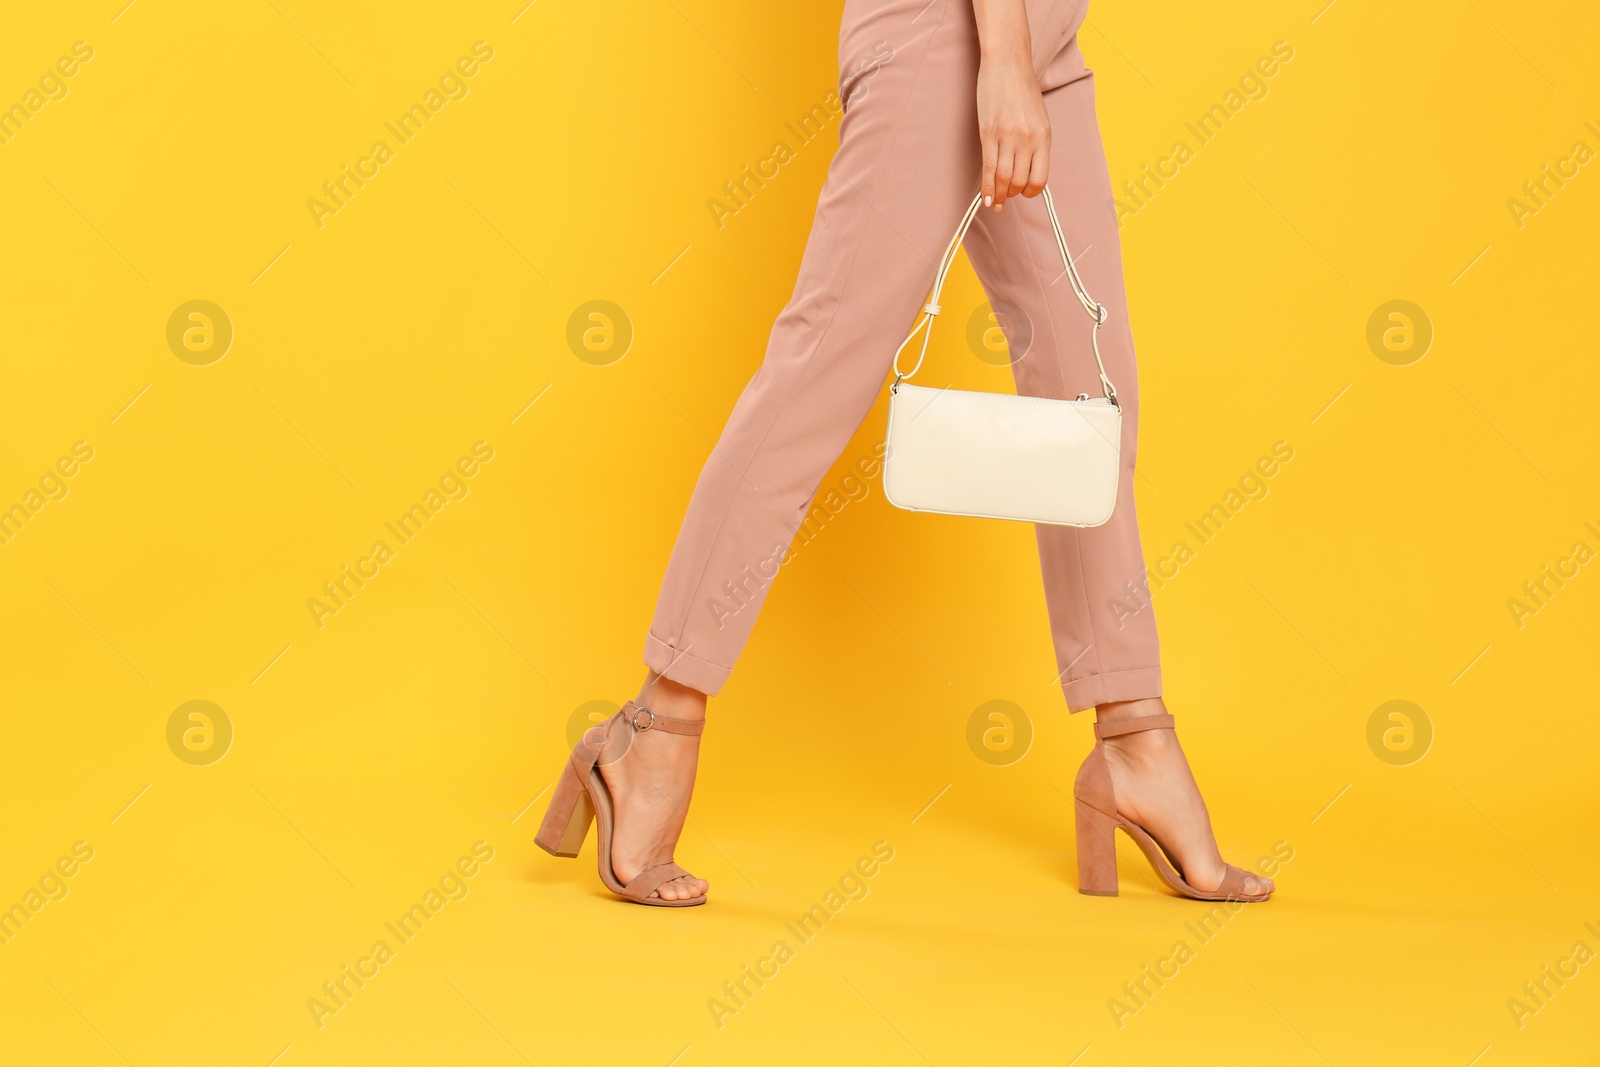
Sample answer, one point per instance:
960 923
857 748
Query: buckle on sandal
634 718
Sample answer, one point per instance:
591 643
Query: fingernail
988 200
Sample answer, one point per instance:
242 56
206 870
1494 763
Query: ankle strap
1103 730
642 718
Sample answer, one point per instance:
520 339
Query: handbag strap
1094 309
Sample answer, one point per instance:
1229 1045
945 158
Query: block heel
1097 852
567 819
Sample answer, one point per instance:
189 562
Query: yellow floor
216 906
227 883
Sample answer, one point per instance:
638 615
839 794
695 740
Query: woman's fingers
1013 167
1003 175
1038 172
1020 170
991 155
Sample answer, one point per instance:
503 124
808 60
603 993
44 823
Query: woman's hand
1012 123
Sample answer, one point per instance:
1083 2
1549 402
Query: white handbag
999 455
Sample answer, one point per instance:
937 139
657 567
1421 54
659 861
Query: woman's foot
650 776
1156 790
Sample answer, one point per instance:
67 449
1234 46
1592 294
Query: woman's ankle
665 697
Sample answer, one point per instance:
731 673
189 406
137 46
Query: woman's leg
907 165
906 168
1095 586
1105 649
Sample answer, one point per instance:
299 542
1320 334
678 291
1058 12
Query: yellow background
425 716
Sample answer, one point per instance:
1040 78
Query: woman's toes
681 888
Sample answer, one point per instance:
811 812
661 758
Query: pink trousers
907 166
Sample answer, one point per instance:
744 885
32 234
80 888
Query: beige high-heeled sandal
1096 804
581 797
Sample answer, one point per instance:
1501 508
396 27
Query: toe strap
647 881
1233 885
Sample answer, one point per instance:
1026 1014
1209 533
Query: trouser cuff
1096 689
682 667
